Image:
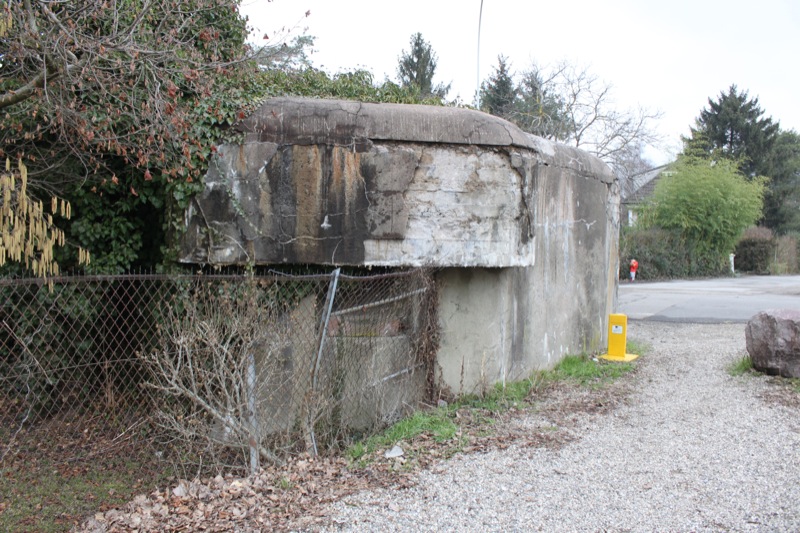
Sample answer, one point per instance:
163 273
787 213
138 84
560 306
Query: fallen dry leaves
782 391
273 499
295 495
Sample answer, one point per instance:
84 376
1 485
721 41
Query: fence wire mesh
218 370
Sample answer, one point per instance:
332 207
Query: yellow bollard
618 339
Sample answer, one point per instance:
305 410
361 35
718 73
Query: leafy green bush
356 85
710 204
693 220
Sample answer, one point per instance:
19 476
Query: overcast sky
665 55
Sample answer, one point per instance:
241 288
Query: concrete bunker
522 232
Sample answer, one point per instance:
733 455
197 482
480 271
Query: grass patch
53 496
588 371
446 423
742 365
435 422
501 397
57 472
441 423
638 347
783 390
440 427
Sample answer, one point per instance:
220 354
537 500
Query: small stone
396 451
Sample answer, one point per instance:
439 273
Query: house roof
642 185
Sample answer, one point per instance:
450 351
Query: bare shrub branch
222 363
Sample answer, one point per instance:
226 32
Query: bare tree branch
94 79
570 105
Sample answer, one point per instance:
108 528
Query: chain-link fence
214 369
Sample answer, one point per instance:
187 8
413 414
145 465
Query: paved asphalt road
708 301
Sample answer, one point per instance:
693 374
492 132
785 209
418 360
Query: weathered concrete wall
526 229
499 325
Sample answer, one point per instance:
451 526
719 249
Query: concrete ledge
343 122
305 121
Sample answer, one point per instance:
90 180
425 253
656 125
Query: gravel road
692 449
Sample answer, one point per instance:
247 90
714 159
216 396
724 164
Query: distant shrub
758 232
785 259
755 250
664 254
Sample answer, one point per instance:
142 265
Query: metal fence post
251 407
326 315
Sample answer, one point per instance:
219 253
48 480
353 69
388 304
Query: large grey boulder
773 342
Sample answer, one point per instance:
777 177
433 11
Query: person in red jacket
634 268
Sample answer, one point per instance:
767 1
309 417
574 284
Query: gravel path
692 449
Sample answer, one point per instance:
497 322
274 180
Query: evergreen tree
782 201
292 56
498 94
539 108
698 146
418 66
735 127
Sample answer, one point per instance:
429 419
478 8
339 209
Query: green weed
741 366
357 450
638 347
435 422
588 371
744 365
501 397
443 423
